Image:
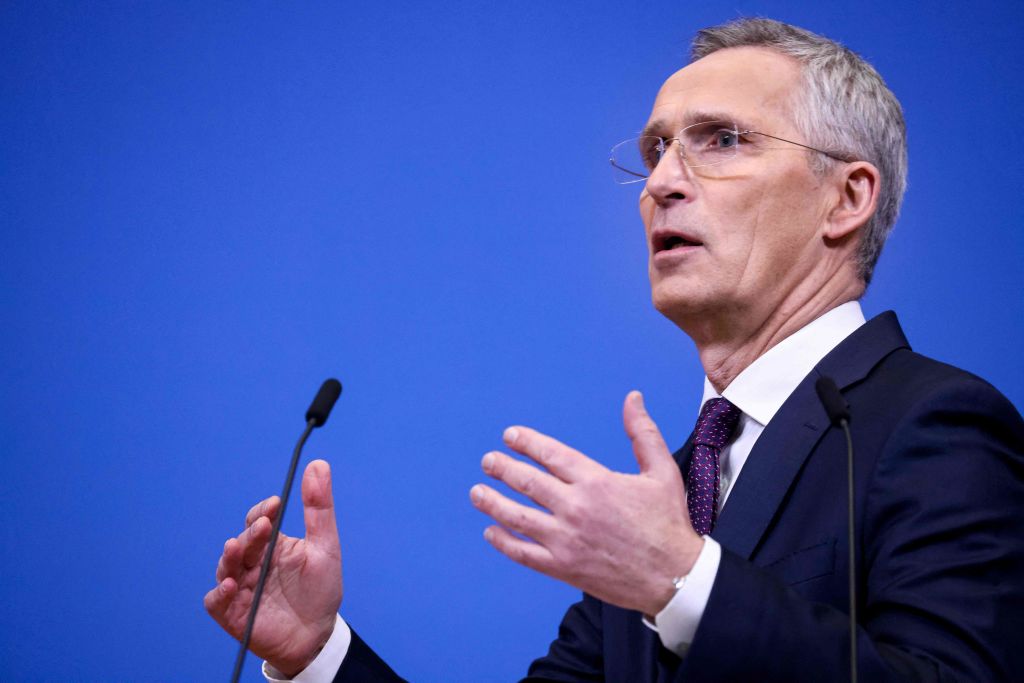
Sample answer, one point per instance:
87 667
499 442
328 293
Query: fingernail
476 494
488 462
488 534
510 435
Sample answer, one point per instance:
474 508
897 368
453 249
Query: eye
725 139
650 149
711 137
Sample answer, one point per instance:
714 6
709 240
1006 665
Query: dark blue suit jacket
939 481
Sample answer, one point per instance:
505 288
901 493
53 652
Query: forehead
751 85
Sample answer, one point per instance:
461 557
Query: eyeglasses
709 143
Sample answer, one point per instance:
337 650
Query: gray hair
844 107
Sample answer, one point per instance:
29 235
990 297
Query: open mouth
670 241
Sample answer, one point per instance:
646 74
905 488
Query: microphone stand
265 568
316 416
839 415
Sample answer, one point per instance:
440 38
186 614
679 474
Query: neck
729 343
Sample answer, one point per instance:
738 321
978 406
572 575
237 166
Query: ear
856 200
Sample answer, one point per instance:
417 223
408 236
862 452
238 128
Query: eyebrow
691 117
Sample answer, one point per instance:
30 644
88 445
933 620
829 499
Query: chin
673 300
682 300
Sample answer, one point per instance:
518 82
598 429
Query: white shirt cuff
676 624
326 664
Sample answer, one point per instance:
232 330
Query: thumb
318 507
648 446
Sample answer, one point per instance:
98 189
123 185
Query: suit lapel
682 456
789 438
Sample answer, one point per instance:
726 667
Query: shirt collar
761 389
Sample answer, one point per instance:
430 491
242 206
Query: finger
318 508
528 554
538 486
648 445
520 518
253 541
219 599
267 507
230 563
564 462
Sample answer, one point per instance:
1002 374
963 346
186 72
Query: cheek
786 224
753 225
740 222
646 206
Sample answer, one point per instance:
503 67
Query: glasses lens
709 143
634 159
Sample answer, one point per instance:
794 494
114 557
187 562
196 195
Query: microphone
316 416
833 401
321 406
839 415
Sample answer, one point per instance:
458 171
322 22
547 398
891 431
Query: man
774 167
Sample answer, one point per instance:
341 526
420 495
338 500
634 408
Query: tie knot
717 421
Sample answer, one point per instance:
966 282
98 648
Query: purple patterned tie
717 421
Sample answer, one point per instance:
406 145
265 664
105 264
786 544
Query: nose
670 179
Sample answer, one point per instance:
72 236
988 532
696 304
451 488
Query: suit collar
793 432
761 389
851 361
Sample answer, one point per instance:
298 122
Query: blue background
207 208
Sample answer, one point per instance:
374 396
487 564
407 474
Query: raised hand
304 587
622 538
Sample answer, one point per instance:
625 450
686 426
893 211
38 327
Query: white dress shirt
326 664
759 391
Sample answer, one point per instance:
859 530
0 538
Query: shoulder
937 430
929 426
905 383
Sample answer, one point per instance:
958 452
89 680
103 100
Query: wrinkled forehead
754 87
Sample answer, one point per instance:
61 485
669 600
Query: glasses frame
665 143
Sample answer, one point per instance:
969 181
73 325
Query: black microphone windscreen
321 406
835 404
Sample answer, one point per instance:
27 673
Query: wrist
672 581
293 666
